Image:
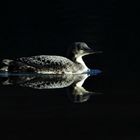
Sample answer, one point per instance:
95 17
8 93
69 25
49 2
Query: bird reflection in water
74 82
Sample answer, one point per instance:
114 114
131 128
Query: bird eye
78 47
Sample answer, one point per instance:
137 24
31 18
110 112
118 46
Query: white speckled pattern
51 64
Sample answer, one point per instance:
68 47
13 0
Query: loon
51 64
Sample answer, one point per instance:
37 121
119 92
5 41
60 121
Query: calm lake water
115 106
36 28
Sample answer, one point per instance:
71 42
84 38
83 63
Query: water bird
51 64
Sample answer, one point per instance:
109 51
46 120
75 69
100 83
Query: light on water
93 72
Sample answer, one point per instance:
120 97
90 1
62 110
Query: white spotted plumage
51 64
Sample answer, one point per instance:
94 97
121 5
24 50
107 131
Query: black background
33 28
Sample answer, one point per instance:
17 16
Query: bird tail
4 64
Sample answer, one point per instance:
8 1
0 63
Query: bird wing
45 61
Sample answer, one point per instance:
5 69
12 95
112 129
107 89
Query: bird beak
91 51
98 52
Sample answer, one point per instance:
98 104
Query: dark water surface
49 28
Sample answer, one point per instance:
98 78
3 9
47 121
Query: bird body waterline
44 64
50 64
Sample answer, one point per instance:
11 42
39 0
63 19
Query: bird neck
79 60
